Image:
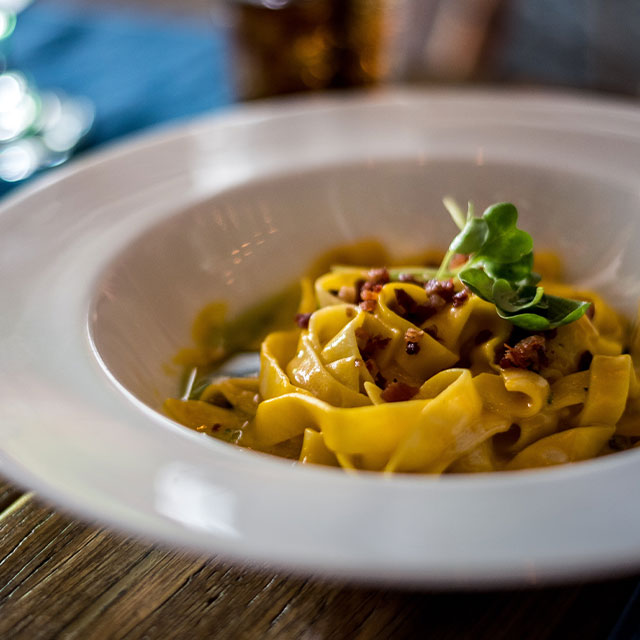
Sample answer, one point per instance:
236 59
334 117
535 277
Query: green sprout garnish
500 268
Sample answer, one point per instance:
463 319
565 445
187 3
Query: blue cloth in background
138 69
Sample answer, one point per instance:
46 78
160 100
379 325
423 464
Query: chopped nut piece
460 298
529 353
442 288
378 276
413 335
368 305
369 294
437 302
347 294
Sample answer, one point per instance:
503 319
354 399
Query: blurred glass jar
285 46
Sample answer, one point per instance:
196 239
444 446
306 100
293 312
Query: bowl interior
249 241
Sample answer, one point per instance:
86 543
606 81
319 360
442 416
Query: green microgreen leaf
564 310
478 281
512 300
530 321
505 243
472 236
519 272
500 269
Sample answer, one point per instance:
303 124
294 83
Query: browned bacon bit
376 279
398 392
347 294
369 294
442 288
460 298
369 297
378 276
413 335
437 302
302 320
585 360
529 353
412 348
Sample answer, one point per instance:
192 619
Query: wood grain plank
52 568
60 578
8 493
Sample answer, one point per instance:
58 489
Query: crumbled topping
347 294
529 353
413 335
368 305
460 298
444 289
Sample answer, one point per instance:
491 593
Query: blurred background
75 74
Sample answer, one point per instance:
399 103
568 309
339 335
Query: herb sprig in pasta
499 268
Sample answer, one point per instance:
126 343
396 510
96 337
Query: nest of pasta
481 368
411 376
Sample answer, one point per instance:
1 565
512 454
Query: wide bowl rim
607 117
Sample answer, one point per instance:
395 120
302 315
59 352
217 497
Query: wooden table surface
60 578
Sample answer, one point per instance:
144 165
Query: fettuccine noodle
424 377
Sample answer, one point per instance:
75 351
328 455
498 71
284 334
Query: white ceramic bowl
105 263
